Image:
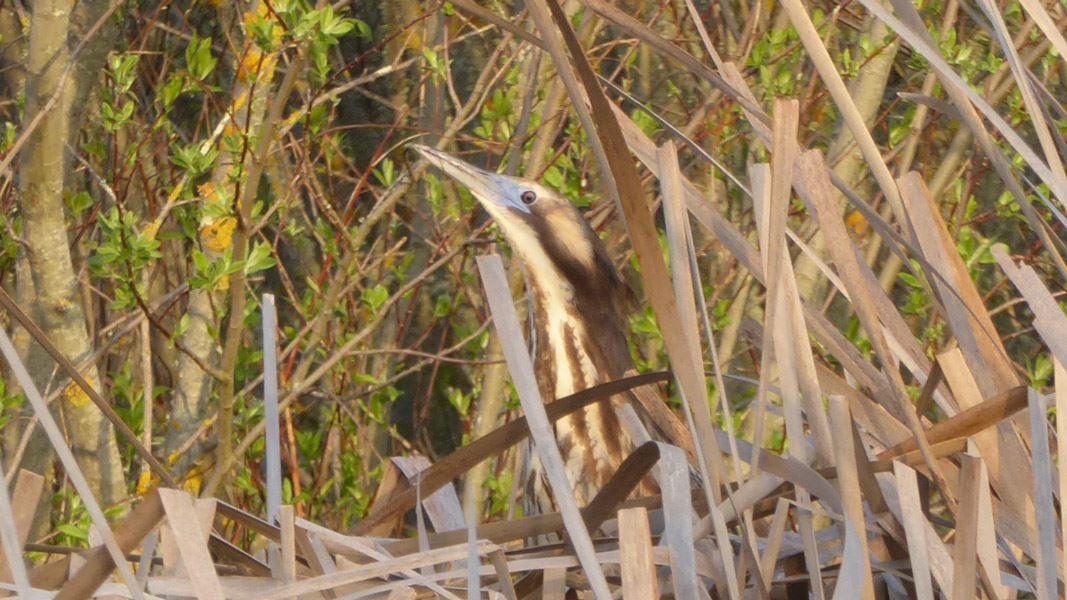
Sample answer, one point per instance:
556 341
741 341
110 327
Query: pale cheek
571 233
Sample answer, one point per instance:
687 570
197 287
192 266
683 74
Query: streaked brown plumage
578 334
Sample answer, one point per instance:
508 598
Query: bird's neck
560 342
578 341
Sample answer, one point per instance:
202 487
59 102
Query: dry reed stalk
821 513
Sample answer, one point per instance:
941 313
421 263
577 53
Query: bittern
578 333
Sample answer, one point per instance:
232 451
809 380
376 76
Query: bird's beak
493 190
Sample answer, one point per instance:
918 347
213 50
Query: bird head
545 229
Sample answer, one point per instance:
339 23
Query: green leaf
375 297
194 158
442 306
183 326
173 88
645 121
123 70
386 175
198 59
366 379
362 29
201 261
262 30
333 25
74 531
460 401
434 63
259 259
78 202
911 280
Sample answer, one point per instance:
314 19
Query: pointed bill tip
492 189
430 154
444 161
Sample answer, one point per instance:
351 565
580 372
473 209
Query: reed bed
902 475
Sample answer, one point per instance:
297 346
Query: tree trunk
51 97
203 337
867 90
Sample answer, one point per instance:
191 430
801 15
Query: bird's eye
529 197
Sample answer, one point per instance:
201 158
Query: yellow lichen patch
250 17
857 222
231 129
75 395
414 40
251 63
207 190
151 229
218 234
192 483
62 306
240 101
145 482
194 479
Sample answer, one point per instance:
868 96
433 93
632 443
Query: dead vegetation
904 472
